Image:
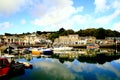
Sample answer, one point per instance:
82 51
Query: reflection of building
69 55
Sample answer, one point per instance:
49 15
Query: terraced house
9 39
112 40
73 39
27 39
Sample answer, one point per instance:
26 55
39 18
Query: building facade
74 40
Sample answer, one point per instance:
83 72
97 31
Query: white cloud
116 4
106 19
54 17
107 10
53 12
23 21
56 14
101 6
78 21
52 68
5 25
117 61
77 66
109 67
73 22
8 7
116 26
45 7
79 9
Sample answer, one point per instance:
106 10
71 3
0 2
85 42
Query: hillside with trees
99 33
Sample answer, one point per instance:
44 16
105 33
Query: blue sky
21 16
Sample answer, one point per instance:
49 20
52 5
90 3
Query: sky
22 16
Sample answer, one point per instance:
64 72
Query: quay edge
101 46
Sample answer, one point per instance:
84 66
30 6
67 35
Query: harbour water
55 68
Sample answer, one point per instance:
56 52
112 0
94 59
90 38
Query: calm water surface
75 69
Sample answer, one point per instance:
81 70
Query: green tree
70 31
79 32
39 32
63 33
117 34
61 30
100 33
53 36
8 34
109 33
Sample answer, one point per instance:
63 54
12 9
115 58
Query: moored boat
40 51
10 68
62 48
36 51
4 66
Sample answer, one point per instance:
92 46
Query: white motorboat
62 48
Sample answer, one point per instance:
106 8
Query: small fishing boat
39 51
47 51
36 51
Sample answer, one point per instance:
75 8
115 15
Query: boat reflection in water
105 65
